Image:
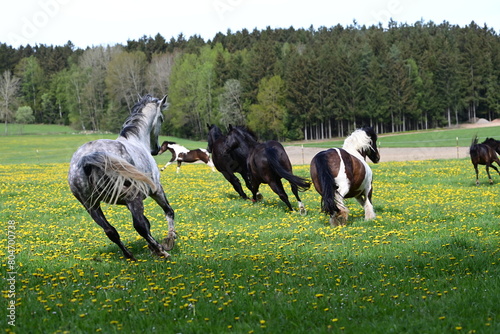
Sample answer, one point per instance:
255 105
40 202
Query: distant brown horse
485 154
182 154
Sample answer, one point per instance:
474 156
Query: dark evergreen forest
283 83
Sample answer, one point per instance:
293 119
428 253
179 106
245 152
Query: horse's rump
113 178
280 164
324 181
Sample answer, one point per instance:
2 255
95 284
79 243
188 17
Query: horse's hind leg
210 164
98 216
142 226
295 191
160 198
477 174
277 187
339 218
179 166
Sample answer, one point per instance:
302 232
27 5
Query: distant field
429 138
56 144
27 129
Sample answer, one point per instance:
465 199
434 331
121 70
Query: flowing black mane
136 119
248 135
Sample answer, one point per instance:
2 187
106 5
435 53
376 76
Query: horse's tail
274 161
114 178
473 146
327 183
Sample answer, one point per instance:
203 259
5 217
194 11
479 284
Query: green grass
428 264
58 148
34 129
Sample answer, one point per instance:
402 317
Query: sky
103 22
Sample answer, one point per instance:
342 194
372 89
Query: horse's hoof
169 242
303 211
163 254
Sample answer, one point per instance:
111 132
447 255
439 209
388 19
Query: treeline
283 83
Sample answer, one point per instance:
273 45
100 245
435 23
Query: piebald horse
182 154
340 173
124 172
484 153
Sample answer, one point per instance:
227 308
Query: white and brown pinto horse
340 173
182 154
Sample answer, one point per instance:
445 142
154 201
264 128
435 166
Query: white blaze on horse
340 173
124 172
182 154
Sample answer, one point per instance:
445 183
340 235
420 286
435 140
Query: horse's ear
230 127
163 103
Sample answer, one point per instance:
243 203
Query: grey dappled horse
124 172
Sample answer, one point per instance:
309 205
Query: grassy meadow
429 263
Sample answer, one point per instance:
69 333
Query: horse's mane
136 118
359 140
246 133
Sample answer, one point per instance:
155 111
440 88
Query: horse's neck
141 138
356 153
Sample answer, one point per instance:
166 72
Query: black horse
224 162
267 163
485 153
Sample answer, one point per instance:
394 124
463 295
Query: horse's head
144 123
494 144
165 146
372 152
363 141
240 137
157 110
214 133
234 137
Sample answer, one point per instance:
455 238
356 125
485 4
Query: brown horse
340 173
182 154
267 163
485 154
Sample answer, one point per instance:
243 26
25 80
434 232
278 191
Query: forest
286 84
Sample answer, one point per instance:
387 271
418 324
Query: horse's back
129 152
352 175
482 154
